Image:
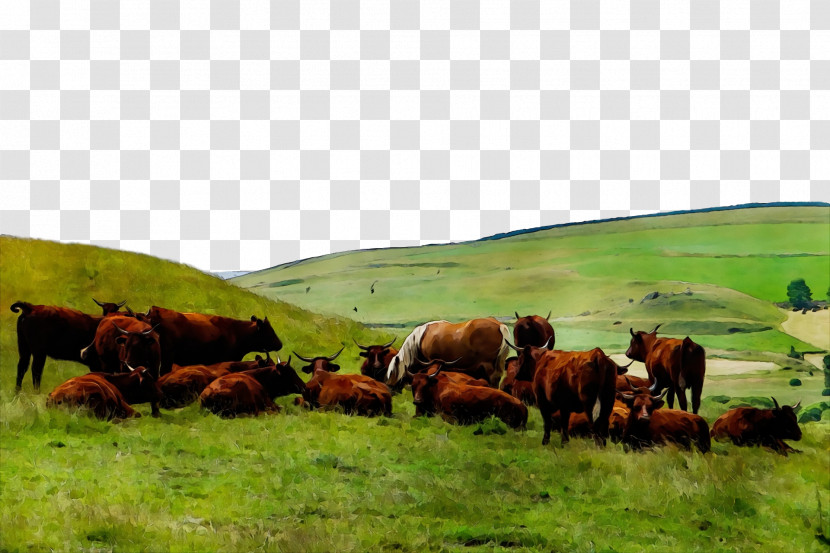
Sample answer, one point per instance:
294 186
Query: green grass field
304 481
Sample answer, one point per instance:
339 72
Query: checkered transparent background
238 135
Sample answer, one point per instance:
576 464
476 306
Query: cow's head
422 389
282 379
528 356
640 343
264 339
266 361
145 387
641 403
139 349
109 308
528 331
784 423
375 357
511 367
322 363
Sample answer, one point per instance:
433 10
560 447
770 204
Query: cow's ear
333 368
307 369
364 354
121 340
659 403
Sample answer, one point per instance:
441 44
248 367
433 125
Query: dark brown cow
518 377
377 359
251 392
533 330
749 426
108 308
647 424
198 339
626 381
481 344
183 385
573 382
354 393
671 363
120 341
464 404
109 395
49 331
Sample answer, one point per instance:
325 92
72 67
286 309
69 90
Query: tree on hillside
799 293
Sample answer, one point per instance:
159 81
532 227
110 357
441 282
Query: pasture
314 481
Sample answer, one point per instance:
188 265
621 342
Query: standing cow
121 341
480 344
748 426
49 331
671 363
197 339
533 330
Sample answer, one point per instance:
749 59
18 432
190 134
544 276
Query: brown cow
518 378
648 424
197 339
580 427
183 385
109 307
120 341
107 394
671 363
573 382
533 330
251 392
49 331
376 359
354 393
626 381
464 404
481 344
749 426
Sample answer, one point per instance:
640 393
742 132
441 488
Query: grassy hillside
301 481
736 263
70 275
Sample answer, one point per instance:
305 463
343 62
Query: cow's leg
547 413
564 420
681 397
23 363
670 396
38 361
600 425
697 389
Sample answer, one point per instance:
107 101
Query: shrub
799 293
825 392
795 382
794 354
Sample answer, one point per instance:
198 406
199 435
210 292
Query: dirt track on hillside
813 328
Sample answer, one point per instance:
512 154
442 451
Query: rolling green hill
734 263
70 275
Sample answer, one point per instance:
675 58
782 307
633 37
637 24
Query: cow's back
58 332
236 394
93 392
741 425
183 386
680 427
473 341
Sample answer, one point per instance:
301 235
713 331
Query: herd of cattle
171 359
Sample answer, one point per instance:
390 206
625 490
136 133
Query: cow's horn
333 357
132 369
121 304
549 314
797 405
149 330
386 345
121 330
626 396
98 302
409 374
631 330
626 366
517 314
633 387
130 312
451 363
148 312
361 346
655 328
511 345
776 403
662 394
278 360
421 361
433 375
306 359
547 343
653 386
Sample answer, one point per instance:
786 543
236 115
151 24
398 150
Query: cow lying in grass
462 403
647 424
749 426
353 393
108 396
251 392
184 385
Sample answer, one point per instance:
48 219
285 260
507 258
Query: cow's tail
504 350
693 363
24 306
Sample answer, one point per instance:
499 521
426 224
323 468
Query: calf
354 393
462 403
49 331
671 363
107 395
251 392
647 424
749 426
122 341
